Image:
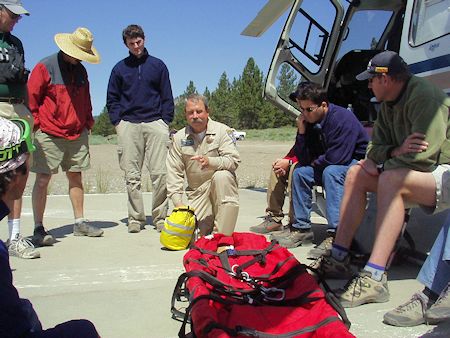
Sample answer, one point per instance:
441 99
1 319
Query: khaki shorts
52 152
442 177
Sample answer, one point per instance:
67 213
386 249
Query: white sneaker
22 248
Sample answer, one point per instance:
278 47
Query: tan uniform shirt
218 145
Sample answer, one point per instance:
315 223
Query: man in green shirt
407 163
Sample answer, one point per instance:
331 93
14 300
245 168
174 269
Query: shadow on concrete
65 230
148 220
440 330
256 189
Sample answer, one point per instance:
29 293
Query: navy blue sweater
337 139
139 90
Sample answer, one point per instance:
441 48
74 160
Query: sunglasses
25 144
309 109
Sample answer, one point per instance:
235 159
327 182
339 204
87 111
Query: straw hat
78 45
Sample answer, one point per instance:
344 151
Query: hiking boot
85 229
22 248
268 225
411 313
322 249
440 310
42 238
329 267
362 289
134 226
296 238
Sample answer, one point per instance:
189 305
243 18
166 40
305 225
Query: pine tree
222 103
103 125
252 110
179 120
287 82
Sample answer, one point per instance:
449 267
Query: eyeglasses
309 109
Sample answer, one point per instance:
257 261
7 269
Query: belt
12 100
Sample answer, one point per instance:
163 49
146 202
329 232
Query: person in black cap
329 140
406 162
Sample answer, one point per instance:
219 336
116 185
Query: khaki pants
216 203
276 193
140 143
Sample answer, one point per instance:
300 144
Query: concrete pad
123 282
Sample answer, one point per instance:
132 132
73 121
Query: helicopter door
306 44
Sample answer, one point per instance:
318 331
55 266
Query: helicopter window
310 32
429 21
365 30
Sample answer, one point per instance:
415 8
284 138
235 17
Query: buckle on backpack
278 294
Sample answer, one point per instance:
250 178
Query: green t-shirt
16 90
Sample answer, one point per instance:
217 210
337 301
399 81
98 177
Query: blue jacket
337 139
139 90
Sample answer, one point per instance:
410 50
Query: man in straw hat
13 89
60 101
140 106
17 316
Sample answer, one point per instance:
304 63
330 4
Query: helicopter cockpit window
429 21
310 33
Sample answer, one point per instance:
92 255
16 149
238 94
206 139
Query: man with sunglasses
13 104
406 162
329 140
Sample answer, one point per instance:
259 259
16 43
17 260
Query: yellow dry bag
178 228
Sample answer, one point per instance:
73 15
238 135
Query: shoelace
22 243
356 284
412 303
443 296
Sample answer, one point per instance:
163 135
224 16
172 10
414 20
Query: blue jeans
435 272
303 180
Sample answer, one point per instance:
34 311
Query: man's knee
223 176
42 180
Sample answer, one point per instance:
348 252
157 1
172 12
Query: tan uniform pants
140 143
216 203
276 193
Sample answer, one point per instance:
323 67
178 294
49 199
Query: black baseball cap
386 62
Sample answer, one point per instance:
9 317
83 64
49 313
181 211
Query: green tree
252 110
287 82
103 125
207 94
222 103
179 120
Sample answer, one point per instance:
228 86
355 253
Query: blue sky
197 39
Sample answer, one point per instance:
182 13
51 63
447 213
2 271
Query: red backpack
253 289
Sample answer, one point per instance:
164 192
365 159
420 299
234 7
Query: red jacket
59 98
291 156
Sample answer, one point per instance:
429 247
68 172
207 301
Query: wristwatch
380 167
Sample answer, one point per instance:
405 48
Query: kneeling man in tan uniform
204 152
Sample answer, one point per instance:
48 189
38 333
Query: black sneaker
42 238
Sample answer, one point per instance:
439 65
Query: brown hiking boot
266 226
322 249
330 268
294 238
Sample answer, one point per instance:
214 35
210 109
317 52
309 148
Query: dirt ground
105 176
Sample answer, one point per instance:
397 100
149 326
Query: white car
239 135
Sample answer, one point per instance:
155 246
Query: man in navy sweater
140 106
329 140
